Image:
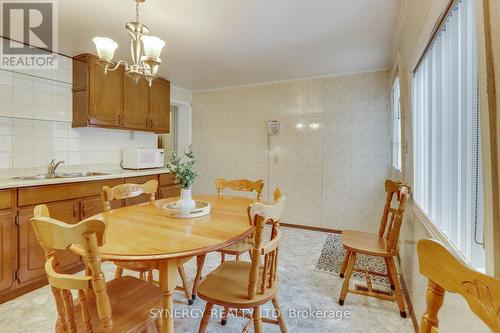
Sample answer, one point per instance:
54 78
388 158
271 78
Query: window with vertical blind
447 147
396 127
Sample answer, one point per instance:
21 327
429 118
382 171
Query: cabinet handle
75 211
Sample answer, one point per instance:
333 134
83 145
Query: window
447 147
396 127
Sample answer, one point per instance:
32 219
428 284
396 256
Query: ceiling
220 43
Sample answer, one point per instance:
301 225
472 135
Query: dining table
144 233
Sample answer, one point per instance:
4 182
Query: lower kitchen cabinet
169 191
7 248
31 254
22 259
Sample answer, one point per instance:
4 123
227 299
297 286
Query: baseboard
411 311
310 227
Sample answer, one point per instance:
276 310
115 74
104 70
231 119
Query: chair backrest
393 215
240 185
125 191
56 235
260 214
447 273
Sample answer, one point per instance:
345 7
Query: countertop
6 183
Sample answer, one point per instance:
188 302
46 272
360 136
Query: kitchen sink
62 175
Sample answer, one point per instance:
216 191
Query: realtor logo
29 29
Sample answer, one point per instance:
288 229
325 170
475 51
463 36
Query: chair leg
142 276
237 257
397 287
388 274
206 318
344 263
150 276
185 285
225 313
281 319
257 321
118 272
158 325
200 261
345 286
222 257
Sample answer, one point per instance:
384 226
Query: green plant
182 167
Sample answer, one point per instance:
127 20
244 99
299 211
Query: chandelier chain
137 11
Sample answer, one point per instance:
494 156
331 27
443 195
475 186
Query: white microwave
142 158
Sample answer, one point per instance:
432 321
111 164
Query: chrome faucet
53 166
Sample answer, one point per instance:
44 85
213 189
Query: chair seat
238 248
228 285
131 300
366 243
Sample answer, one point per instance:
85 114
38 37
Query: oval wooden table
143 233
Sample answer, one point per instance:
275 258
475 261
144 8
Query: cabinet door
169 191
7 247
106 96
135 104
159 105
31 254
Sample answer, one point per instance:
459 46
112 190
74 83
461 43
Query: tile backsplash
35 123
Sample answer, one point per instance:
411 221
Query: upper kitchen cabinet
113 100
159 105
97 97
135 104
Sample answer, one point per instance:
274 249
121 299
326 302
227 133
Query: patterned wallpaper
330 159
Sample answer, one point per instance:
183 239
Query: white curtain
447 155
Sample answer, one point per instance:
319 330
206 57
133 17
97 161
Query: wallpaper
330 159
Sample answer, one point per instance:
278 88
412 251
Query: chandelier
145 51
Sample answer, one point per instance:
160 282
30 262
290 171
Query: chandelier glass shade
145 51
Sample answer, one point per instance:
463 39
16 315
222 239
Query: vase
186 202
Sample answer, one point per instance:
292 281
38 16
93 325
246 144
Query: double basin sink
62 175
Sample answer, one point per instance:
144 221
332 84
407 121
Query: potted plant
182 167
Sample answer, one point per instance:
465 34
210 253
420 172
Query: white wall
332 174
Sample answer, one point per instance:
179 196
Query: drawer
167 179
5 199
140 179
49 193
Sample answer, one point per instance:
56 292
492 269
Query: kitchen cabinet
97 97
169 191
31 254
159 106
136 105
113 100
7 247
22 259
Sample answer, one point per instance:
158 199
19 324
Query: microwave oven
142 158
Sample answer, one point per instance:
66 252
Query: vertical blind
396 127
447 147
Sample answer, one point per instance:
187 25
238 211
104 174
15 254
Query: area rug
332 256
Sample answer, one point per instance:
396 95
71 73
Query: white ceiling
220 43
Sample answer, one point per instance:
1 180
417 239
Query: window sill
438 235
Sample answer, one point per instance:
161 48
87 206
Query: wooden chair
355 242
447 273
121 305
242 185
239 285
127 191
